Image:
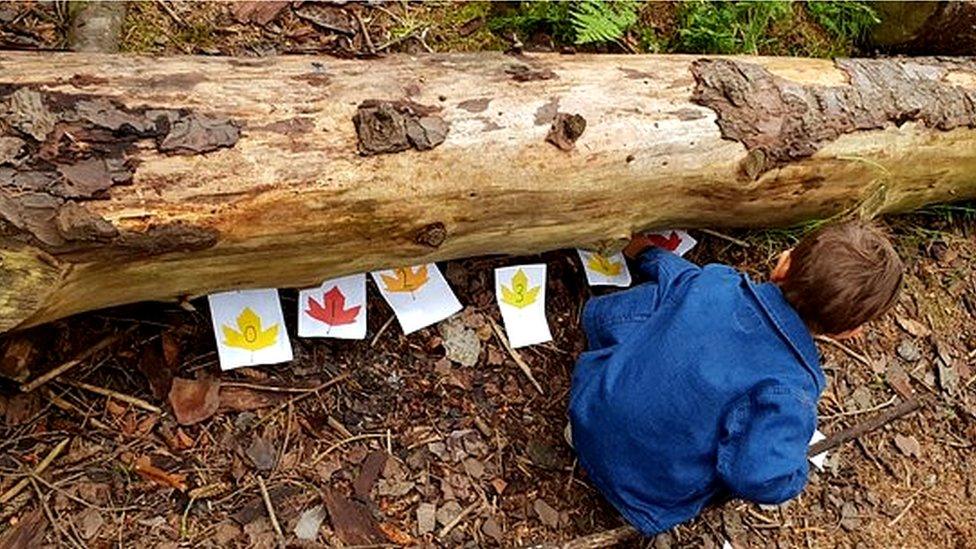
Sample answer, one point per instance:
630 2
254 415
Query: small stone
850 520
261 453
908 351
426 518
393 488
309 523
548 515
245 420
90 522
439 449
908 445
491 529
474 468
461 344
448 512
543 455
862 398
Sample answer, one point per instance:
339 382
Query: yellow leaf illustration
604 265
520 295
250 336
405 279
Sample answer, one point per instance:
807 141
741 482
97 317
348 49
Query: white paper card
521 295
419 296
679 242
605 270
818 460
249 328
336 309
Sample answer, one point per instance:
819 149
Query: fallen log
125 179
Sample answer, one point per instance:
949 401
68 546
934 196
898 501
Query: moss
148 29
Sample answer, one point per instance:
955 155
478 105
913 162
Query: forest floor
391 441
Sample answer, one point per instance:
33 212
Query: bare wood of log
127 179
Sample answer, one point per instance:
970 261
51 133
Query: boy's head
840 277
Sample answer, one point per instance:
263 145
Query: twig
607 538
339 427
895 520
268 388
853 354
723 236
169 11
50 515
51 456
69 407
881 406
380 332
902 408
457 520
137 402
342 443
323 25
295 399
269 507
515 356
81 357
362 25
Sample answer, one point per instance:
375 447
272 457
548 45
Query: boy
701 383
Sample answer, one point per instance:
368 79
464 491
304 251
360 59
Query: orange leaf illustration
405 279
332 310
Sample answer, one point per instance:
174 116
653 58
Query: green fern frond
600 21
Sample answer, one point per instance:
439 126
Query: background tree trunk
125 179
943 28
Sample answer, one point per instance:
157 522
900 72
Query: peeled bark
125 179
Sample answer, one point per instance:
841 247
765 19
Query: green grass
844 20
728 27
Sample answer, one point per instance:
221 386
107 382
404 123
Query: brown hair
841 276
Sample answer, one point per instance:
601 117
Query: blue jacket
696 383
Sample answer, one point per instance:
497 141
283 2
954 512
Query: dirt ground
393 441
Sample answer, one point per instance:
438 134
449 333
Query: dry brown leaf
908 445
144 467
913 327
194 400
171 349
17 358
115 409
397 536
261 13
242 399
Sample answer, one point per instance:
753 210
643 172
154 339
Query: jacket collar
791 328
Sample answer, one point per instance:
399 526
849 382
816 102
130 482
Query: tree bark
125 179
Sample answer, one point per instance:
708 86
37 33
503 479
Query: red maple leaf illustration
332 310
670 243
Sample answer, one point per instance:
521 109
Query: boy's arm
763 454
656 264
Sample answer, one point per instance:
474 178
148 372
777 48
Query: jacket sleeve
762 455
661 266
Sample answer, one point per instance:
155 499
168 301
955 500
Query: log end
28 277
